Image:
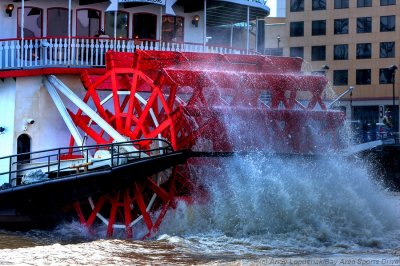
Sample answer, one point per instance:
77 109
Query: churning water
261 209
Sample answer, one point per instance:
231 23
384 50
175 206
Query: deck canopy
219 12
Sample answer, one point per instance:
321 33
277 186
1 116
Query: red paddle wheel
206 102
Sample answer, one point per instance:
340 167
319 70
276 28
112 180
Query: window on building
87 22
340 77
122 24
388 23
387 50
388 2
144 26
33 25
318 53
363 76
172 29
364 25
364 3
341 4
60 28
385 76
297 52
363 51
318 27
296 5
341 26
318 4
341 52
297 29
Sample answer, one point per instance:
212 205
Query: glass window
172 29
296 5
387 50
318 53
297 29
122 24
388 2
318 4
33 25
363 76
341 26
363 51
385 76
364 3
341 4
87 22
364 25
318 27
388 23
60 28
144 26
340 52
340 77
297 52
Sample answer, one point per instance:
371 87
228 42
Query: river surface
262 210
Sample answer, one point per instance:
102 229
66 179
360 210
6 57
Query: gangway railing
65 161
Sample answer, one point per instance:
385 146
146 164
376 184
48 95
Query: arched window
87 22
122 24
57 22
144 26
172 29
33 22
23 146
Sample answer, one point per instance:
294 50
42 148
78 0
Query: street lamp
393 69
278 38
351 103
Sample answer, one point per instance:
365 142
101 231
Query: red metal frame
195 98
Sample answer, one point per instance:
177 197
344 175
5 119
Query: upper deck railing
85 52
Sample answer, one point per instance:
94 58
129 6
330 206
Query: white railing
84 52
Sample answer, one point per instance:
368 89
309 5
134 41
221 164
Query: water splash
316 202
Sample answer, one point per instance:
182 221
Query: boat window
87 22
172 29
122 24
33 22
144 26
60 16
23 146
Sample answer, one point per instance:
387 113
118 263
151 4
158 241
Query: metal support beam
56 83
248 31
64 113
205 26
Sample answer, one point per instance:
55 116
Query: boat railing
61 162
85 52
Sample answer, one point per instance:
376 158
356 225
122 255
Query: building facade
358 40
